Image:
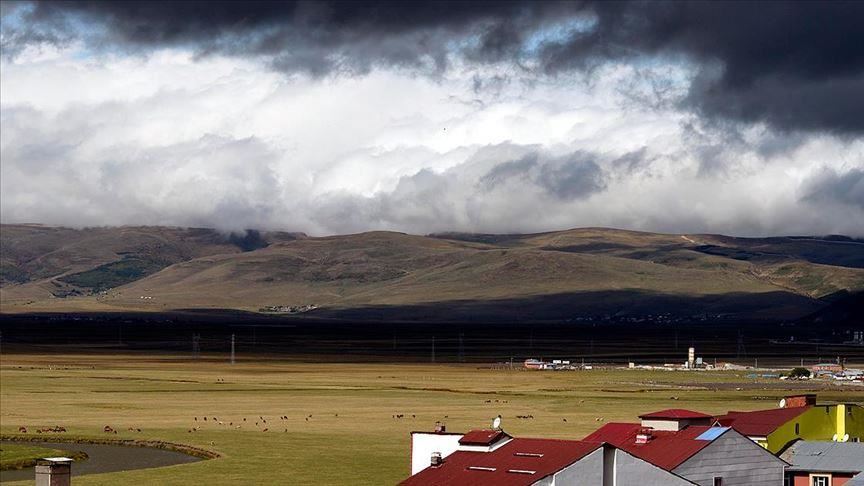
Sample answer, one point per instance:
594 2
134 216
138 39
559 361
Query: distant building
823 463
534 364
799 417
826 368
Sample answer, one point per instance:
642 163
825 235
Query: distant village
288 309
831 371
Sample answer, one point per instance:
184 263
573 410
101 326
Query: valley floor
341 425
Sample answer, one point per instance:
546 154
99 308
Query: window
718 481
820 480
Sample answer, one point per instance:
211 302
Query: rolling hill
558 275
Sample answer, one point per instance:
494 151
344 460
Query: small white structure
54 471
429 448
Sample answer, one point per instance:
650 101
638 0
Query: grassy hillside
170 268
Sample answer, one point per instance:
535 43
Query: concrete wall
632 471
608 466
588 470
735 458
820 423
424 444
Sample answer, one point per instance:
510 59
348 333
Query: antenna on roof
496 423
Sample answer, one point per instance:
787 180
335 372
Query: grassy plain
340 427
13 456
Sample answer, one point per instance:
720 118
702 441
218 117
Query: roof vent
527 454
437 460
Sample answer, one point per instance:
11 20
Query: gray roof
818 456
857 480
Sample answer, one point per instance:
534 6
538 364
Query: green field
15 456
351 436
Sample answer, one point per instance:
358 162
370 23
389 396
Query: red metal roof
516 463
675 413
482 437
760 423
667 449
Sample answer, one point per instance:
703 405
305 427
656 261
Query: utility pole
232 349
196 345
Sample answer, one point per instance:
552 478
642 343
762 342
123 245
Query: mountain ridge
45 268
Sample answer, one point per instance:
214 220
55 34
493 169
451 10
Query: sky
741 118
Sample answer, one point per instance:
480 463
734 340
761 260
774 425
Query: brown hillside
171 268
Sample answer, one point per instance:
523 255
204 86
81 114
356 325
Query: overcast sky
741 118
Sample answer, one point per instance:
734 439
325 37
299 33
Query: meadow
335 423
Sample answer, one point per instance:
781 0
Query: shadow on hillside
617 305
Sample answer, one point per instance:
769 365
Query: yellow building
799 417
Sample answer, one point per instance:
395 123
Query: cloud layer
483 116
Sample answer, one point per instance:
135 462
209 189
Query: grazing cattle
265 430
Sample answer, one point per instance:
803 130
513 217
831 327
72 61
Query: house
823 463
798 417
493 457
702 454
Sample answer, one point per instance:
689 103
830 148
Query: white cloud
168 139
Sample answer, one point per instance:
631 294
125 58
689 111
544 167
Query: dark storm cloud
311 36
573 176
793 65
830 186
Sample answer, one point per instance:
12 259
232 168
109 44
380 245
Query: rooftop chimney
54 471
437 460
645 435
440 428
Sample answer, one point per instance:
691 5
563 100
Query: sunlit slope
394 269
